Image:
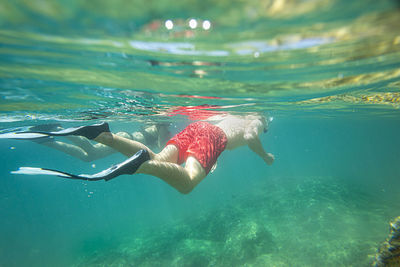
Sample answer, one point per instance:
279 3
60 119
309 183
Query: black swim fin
88 131
129 166
48 127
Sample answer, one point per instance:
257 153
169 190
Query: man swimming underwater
198 146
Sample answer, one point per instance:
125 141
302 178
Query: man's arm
256 146
251 134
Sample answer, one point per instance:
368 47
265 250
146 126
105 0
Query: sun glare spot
193 24
206 25
169 24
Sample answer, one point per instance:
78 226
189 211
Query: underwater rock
195 252
389 253
248 240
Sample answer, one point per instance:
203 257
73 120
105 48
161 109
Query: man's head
265 123
261 121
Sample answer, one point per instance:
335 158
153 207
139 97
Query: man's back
235 128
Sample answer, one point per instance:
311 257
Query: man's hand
269 158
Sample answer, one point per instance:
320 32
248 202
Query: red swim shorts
201 140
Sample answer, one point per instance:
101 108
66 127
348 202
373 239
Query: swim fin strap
128 166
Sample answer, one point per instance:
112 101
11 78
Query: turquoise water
326 71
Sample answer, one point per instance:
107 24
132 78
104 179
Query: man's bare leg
69 149
123 145
182 179
94 151
81 149
129 147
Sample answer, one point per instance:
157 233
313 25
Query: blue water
327 72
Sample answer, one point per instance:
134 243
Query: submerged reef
389 253
307 221
217 238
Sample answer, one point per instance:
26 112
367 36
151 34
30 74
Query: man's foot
88 131
129 166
